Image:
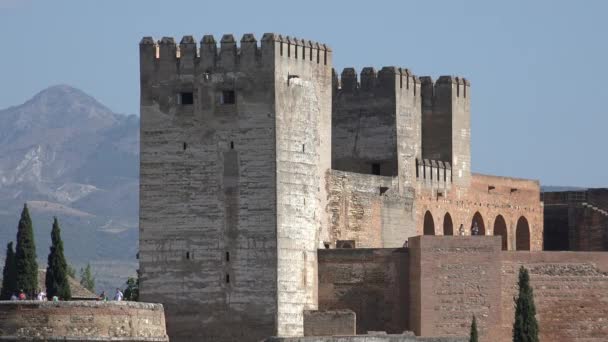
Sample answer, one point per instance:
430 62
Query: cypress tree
57 270
132 291
25 255
9 276
473 336
86 278
525 327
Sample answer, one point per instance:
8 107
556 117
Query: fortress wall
576 220
82 321
371 282
303 159
451 279
369 210
490 196
570 293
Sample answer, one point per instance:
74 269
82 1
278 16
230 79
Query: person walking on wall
461 230
118 296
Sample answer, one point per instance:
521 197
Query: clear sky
538 69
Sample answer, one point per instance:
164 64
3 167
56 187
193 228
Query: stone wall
446 124
330 323
369 338
369 210
371 282
82 321
452 279
570 293
235 150
576 220
500 205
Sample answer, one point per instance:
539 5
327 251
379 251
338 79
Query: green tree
71 271
57 270
132 291
86 278
9 274
25 255
525 327
474 335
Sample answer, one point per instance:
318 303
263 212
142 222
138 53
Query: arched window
500 229
429 224
522 235
477 225
448 226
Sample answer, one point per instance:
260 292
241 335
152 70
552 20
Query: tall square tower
235 151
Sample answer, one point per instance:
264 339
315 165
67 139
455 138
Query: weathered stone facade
254 156
82 321
235 151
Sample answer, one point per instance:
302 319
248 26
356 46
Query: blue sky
538 68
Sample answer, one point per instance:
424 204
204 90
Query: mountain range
67 155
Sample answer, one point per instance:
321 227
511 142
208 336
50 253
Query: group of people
118 296
41 296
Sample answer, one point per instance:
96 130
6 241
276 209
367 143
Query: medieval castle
278 198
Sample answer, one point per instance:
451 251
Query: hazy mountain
69 156
559 188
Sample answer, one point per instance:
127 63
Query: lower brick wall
435 286
329 323
570 293
371 282
453 278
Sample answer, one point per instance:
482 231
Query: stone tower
235 151
376 123
446 124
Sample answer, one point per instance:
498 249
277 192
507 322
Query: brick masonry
82 321
371 282
490 200
448 279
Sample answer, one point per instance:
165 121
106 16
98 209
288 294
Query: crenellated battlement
229 55
389 77
434 172
460 86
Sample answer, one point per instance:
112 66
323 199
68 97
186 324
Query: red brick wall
489 196
570 293
371 282
452 279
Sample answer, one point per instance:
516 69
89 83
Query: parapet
82 321
207 56
429 89
388 78
434 172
